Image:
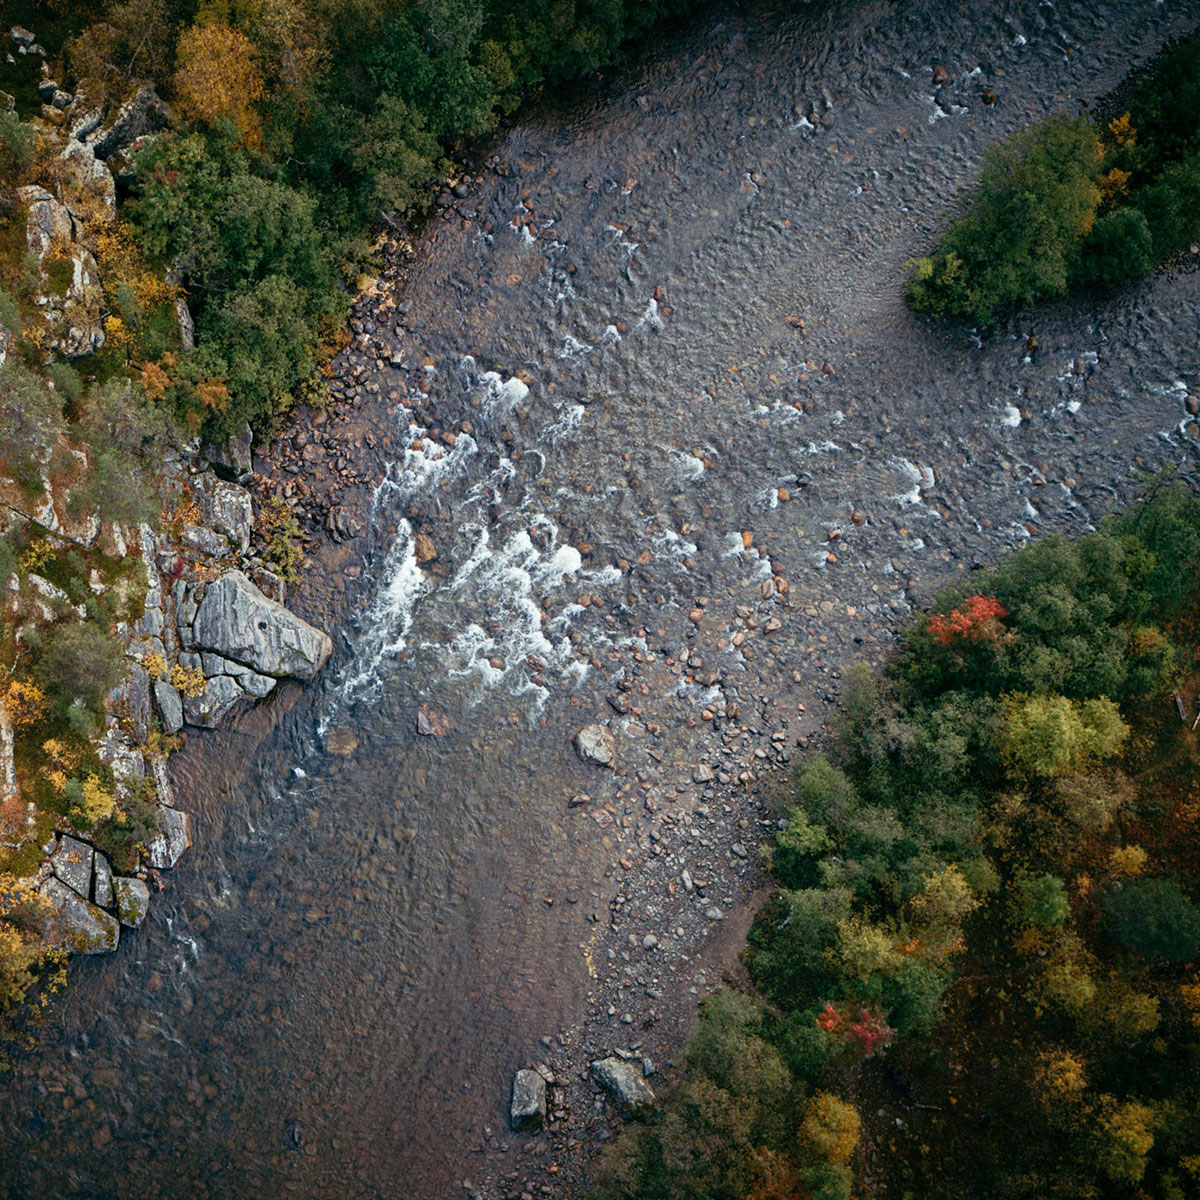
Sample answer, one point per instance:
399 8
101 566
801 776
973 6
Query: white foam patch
920 479
565 426
499 589
386 624
1010 416
501 396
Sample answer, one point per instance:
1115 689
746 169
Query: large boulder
228 510
72 863
624 1083
527 1112
595 744
75 924
236 621
170 706
231 458
173 838
132 900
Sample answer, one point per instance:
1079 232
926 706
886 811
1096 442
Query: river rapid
700 458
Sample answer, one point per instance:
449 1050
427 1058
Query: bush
81 661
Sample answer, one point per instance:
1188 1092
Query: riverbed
649 394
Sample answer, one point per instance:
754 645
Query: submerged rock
236 621
624 1083
77 925
595 744
527 1110
431 723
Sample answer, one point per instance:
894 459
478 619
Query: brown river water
696 270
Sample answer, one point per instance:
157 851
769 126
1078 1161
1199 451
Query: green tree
1051 735
1153 918
30 419
1036 198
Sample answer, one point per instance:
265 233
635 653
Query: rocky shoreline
203 612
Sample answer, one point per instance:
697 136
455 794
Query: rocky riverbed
639 435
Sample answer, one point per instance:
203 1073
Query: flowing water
671 320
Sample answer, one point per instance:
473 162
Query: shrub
81 660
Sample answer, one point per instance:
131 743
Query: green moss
60 274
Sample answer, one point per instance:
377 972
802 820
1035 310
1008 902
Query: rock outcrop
77 925
132 900
68 291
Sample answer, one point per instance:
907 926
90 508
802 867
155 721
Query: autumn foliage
978 620
218 80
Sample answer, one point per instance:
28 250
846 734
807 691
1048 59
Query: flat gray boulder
236 621
76 925
133 900
527 1112
595 744
170 706
72 863
624 1083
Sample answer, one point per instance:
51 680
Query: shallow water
329 998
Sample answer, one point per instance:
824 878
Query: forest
297 129
978 972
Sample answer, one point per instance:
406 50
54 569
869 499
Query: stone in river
431 723
173 838
236 621
77 925
133 900
595 744
624 1083
424 548
342 741
528 1108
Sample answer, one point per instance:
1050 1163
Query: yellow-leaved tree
218 79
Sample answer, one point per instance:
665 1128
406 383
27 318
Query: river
702 459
